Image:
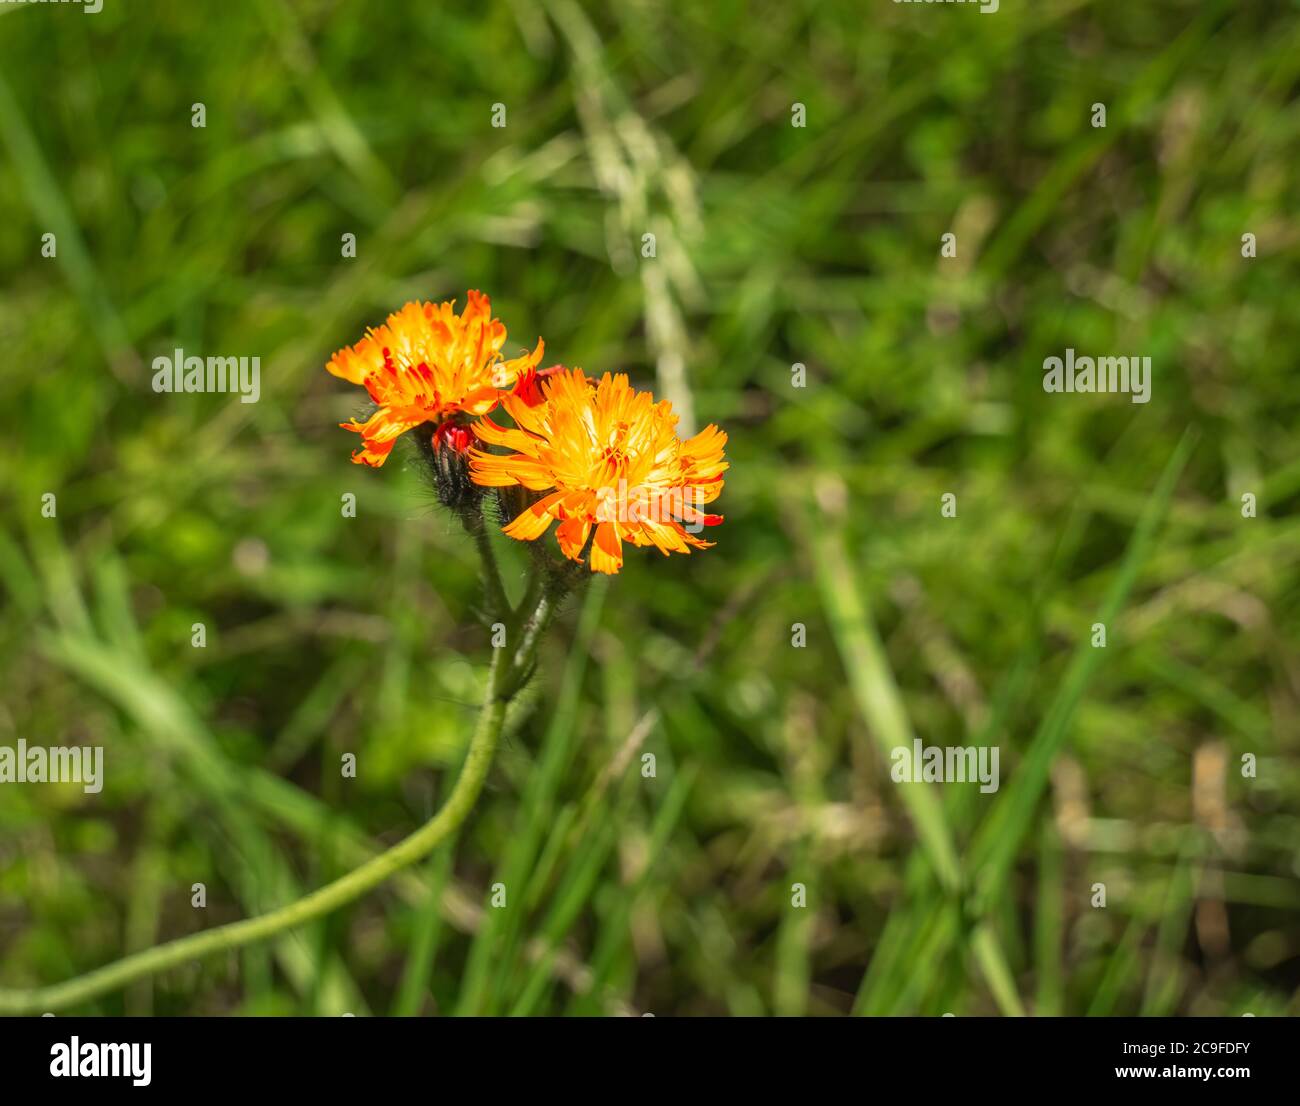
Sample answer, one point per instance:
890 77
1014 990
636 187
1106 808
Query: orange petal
572 536
689 538
355 363
664 537
480 401
506 373
533 522
607 550
490 470
374 454
488 431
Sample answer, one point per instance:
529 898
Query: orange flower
426 364
608 456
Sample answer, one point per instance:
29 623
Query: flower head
426 364
609 458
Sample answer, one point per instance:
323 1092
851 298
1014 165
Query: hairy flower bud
444 449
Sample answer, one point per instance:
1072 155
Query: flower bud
445 454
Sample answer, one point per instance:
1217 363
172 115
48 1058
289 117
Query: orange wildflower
426 364
609 457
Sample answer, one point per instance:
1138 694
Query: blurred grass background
775 245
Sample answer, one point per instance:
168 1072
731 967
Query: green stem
532 632
532 596
315 905
498 604
547 596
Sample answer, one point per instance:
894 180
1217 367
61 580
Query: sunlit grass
777 245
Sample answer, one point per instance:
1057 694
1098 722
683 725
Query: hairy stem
498 604
544 597
502 680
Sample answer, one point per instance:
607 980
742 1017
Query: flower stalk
498 606
507 673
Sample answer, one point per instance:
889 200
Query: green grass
775 245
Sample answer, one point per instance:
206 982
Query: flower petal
572 536
534 521
606 550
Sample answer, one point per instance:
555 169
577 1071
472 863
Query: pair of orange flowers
606 456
